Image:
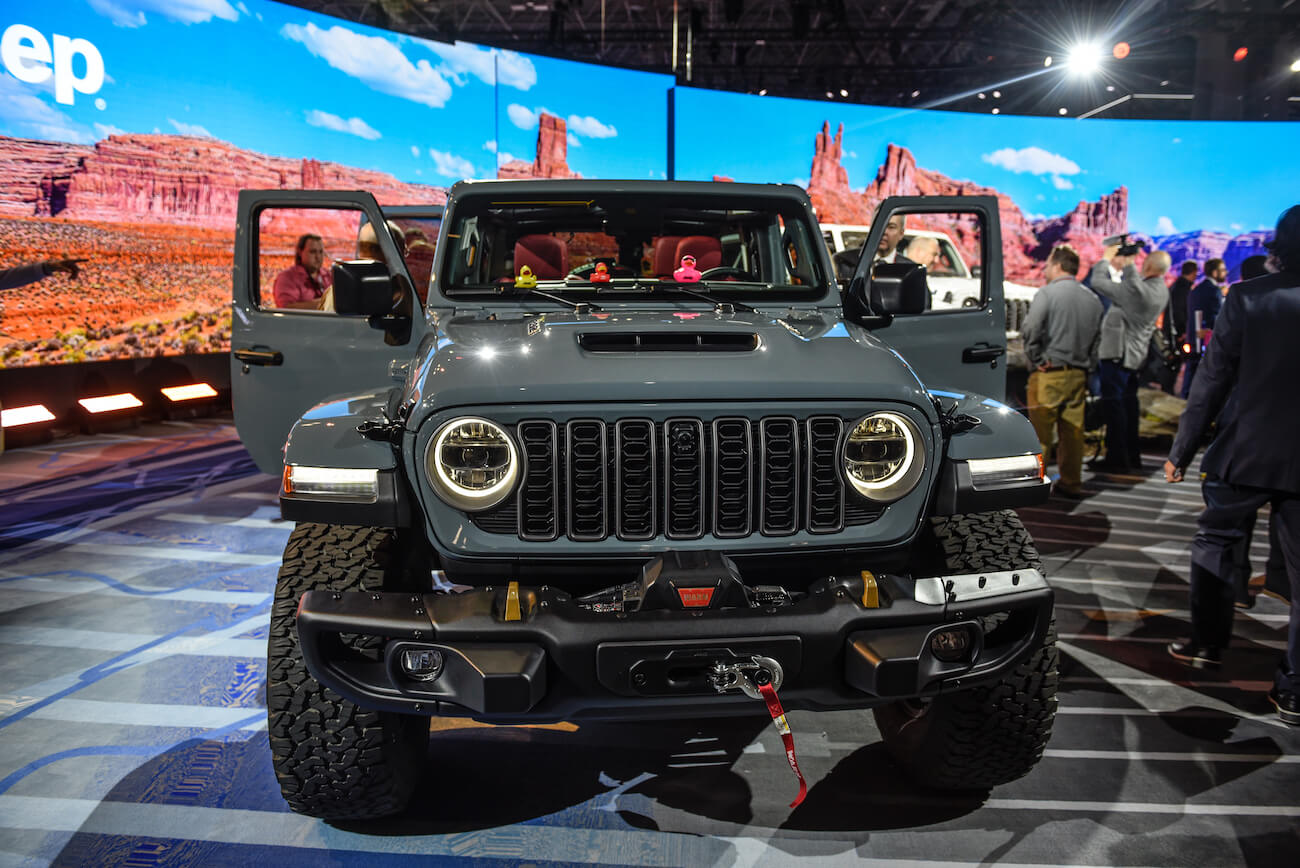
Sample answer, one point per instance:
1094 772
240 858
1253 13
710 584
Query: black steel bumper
542 657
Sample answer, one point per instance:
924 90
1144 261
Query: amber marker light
192 392
109 403
1121 50
29 415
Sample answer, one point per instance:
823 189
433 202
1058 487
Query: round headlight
883 456
472 463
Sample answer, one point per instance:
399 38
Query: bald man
1137 298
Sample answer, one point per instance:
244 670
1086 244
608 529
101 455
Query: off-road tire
334 760
995 732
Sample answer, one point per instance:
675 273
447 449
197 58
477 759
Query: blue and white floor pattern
134 595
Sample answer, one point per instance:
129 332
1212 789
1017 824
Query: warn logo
695 598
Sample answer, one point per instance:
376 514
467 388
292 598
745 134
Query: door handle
259 356
982 353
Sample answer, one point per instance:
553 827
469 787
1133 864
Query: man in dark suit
1246 382
1176 313
1206 298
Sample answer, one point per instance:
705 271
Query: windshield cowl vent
668 342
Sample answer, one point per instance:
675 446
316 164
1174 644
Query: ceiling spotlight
1295 65
762 92
843 92
1110 88
997 94
1047 61
997 111
1084 59
1061 110
915 94
1240 54
1121 50
830 95
981 96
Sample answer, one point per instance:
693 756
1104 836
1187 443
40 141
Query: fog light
950 645
422 664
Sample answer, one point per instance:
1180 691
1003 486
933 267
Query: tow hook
745 675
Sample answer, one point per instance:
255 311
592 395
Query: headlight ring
884 456
472 463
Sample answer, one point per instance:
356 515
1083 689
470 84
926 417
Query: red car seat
664 258
546 255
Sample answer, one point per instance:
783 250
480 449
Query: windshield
732 247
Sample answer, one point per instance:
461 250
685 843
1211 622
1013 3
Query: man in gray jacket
1136 301
1061 332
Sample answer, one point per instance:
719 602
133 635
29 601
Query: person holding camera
1137 298
1244 389
1205 298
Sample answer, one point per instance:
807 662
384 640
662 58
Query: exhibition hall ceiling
1157 59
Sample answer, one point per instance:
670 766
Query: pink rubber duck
687 273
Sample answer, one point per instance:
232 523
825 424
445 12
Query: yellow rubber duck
526 278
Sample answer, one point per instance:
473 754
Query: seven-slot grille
680 478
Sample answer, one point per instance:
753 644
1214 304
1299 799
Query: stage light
830 95
1240 54
843 92
1121 50
192 392
915 94
30 415
997 111
1047 61
997 94
1295 65
981 96
110 403
1061 110
762 92
1084 59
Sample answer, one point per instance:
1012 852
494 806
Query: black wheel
995 732
333 759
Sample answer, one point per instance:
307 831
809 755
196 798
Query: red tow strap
778 717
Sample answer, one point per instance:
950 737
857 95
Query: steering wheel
726 272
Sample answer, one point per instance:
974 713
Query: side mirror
364 287
896 288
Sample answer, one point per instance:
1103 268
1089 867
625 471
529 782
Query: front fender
1001 433
328 436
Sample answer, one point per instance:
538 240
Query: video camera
1126 247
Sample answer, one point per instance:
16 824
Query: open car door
960 347
287 353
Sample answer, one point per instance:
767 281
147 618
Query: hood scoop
668 342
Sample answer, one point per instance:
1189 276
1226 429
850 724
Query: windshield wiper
718 304
578 306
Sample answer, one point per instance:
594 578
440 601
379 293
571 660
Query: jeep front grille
680 478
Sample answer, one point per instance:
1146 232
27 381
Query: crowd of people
1240 355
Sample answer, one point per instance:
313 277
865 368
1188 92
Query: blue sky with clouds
1181 175
282 81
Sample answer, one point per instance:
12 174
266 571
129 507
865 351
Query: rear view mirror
898 288
363 287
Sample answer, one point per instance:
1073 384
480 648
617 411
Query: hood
656 356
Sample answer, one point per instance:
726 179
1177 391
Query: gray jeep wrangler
556 482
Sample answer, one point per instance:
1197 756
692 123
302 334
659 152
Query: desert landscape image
154 218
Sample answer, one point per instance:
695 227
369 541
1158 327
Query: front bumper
513 654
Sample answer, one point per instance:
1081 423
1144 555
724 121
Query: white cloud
573 141
591 128
450 165
853 154
1165 226
513 70
801 182
1033 160
20 107
190 129
504 157
351 126
1177 140
490 145
1236 226
1034 218
1062 183
103 131
522 116
374 61
242 8
415 150
131 13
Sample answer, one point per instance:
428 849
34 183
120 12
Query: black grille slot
627 342
498 519
733 481
634 488
825 484
586 489
538 510
779 476
858 511
684 450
